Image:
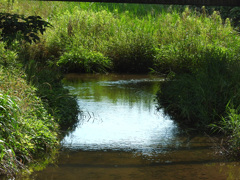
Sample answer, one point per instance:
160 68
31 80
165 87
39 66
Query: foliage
28 124
187 38
79 59
232 13
17 27
27 130
97 37
56 99
134 54
199 98
167 41
8 58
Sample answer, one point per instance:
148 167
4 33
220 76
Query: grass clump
199 98
79 59
229 125
134 54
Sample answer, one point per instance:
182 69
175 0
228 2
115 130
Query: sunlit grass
100 37
27 130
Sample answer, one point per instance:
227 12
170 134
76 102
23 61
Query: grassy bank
35 109
35 112
28 131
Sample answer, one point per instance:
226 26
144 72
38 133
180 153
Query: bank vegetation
196 49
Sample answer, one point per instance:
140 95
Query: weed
27 130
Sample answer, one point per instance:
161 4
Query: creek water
121 135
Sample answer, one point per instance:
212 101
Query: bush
79 59
17 27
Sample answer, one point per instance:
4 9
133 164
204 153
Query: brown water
120 135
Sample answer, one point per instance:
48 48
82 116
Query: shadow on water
120 135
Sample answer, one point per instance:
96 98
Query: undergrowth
199 98
28 131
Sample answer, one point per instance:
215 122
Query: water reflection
121 136
120 114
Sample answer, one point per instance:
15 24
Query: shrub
17 27
79 59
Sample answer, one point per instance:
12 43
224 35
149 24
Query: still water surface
120 135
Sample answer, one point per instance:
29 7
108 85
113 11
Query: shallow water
120 135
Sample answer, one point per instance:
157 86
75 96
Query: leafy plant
17 27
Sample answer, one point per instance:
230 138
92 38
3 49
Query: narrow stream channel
120 135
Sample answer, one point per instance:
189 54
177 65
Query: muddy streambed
120 135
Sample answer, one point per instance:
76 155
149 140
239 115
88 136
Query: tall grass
27 131
199 98
100 37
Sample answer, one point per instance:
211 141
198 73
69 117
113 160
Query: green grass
33 104
56 99
27 131
199 98
99 37
132 38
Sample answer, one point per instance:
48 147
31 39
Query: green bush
186 38
17 27
79 59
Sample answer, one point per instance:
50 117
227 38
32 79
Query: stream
121 135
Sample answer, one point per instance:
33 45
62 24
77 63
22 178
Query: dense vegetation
199 53
35 109
28 131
